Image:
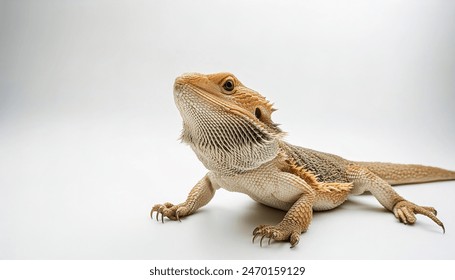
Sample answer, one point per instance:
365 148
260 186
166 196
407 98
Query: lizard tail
401 174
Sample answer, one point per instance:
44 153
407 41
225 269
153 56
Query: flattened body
280 183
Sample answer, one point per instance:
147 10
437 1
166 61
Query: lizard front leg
295 222
200 195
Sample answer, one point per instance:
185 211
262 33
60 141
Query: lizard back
326 167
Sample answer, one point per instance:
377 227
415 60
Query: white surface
88 128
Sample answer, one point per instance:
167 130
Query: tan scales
230 128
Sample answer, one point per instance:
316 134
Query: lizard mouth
195 95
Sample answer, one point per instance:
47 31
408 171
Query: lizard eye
228 85
258 113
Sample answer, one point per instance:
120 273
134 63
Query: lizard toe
276 233
405 211
167 210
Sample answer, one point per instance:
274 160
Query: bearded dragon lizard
230 128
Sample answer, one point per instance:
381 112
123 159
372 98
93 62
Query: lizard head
221 115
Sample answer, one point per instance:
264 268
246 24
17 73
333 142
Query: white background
89 131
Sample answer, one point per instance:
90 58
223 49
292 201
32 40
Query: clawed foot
169 210
278 233
405 212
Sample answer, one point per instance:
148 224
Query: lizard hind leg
404 210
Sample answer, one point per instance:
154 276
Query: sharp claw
262 238
254 237
438 222
433 217
157 214
178 217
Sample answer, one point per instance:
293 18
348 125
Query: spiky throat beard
224 141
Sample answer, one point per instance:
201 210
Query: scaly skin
230 129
